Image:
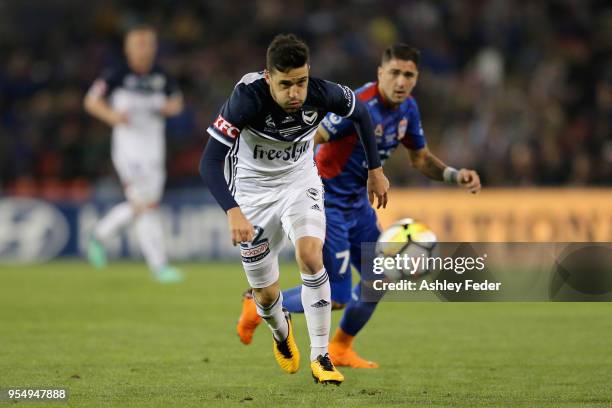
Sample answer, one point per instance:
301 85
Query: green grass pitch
116 338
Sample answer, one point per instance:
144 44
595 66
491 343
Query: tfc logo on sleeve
226 128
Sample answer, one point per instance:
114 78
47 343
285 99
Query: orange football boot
342 354
249 319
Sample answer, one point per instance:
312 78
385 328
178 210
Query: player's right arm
95 101
236 113
211 169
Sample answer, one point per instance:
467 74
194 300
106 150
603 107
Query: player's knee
309 254
266 296
310 263
338 306
143 198
140 207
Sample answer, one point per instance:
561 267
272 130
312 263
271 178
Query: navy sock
292 300
357 313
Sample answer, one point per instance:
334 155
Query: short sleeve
236 113
105 84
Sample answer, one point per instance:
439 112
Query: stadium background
519 90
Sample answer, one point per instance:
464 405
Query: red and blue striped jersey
341 161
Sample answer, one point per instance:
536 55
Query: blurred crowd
519 90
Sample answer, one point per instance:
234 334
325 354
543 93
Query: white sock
118 217
274 317
151 239
316 299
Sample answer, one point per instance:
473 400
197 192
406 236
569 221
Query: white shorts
143 180
297 213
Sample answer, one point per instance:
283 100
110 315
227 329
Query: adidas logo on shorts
316 207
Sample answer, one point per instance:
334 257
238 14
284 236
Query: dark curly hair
286 52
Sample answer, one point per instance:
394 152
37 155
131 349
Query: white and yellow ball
408 238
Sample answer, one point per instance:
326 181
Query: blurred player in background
263 139
134 99
350 218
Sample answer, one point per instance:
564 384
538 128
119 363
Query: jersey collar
383 101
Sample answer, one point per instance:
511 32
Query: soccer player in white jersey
134 99
259 166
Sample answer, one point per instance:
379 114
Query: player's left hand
378 186
469 179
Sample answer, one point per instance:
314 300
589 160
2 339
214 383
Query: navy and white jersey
140 97
268 145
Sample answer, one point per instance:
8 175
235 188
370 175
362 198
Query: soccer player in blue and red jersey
350 218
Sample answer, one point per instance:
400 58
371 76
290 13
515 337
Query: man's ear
379 72
267 76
